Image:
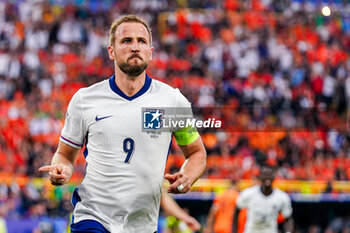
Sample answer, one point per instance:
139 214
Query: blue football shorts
88 226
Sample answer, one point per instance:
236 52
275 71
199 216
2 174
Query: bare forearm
211 218
65 155
191 170
194 166
61 168
289 225
235 220
60 159
172 208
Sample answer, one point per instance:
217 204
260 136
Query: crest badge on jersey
153 118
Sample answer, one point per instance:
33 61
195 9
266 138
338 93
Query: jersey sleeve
243 199
73 132
188 134
286 208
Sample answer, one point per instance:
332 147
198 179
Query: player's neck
266 190
129 85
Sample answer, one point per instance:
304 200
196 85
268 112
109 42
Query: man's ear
111 52
151 54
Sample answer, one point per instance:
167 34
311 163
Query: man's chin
133 70
135 62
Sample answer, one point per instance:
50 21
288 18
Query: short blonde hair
127 19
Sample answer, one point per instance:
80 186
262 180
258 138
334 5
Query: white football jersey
263 210
125 167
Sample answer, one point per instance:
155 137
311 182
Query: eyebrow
130 38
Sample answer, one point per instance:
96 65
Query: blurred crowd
31 206
278 72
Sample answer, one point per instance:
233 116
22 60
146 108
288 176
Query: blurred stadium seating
279 66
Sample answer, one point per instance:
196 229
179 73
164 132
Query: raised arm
61 168
191 170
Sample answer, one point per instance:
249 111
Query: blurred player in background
122 187
221 212
264 203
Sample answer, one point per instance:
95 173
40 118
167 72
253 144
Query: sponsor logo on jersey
101 118
153 118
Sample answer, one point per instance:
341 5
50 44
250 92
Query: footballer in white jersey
263 204
120 121
125 166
